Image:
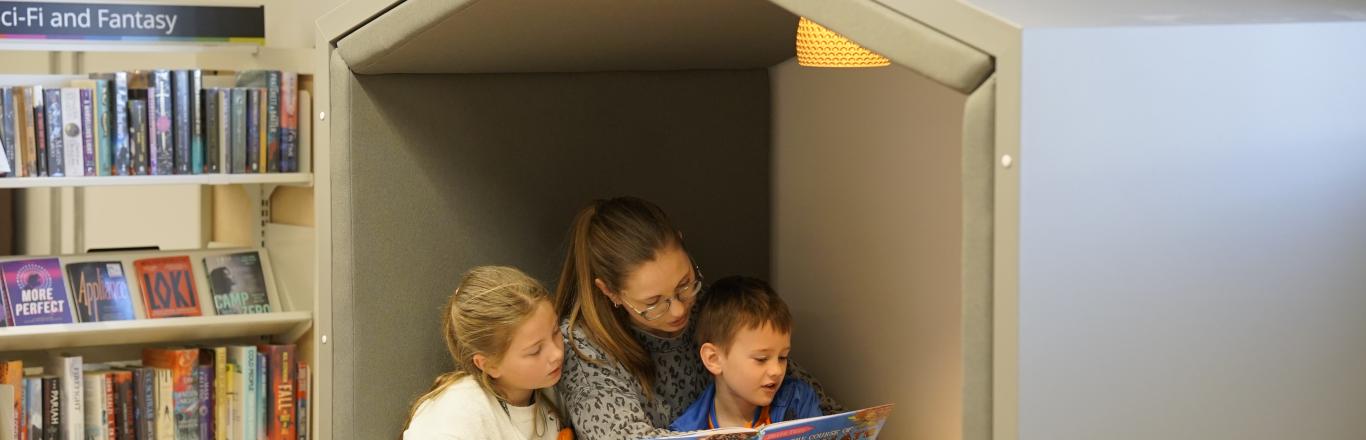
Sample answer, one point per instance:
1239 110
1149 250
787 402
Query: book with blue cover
35 293
860 424
100 291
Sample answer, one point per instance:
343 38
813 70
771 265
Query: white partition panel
1193 233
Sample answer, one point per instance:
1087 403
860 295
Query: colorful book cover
168 287
40 130
182 364
196 121
73 147
35 292
239 142
100 291
280 385
237 283
88 128
272 143
159 123
137 134
52 103
289 122
861 424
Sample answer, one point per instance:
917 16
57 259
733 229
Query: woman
626 294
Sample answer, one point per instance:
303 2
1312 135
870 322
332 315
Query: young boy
745 332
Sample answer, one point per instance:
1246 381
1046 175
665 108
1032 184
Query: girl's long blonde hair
489 305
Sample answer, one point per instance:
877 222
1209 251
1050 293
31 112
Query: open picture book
861 424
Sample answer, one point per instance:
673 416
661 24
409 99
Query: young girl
626 295
502 332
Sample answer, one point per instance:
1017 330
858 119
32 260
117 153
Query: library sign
131 22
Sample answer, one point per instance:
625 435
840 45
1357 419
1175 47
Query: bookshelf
295 243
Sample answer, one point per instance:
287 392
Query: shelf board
304 179
77 45
288 325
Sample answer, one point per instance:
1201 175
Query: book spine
29 143
146 403
73 408
211 144
122 156
272 144
123 389
33 407
52 101
93 395
7 135
302 411
254 134
162 146
280 391
220 393
239 129
180 116
104 130
137 136
165 409
204 384
196 121
88 132
224 99
52 408
40 130
262 390
289 122
111 417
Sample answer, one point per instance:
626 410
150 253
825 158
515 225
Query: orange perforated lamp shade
821 47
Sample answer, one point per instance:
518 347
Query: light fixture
821 47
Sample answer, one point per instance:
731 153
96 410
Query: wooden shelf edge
286 325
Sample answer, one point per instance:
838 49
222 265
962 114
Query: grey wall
1193 233
444 172
867 238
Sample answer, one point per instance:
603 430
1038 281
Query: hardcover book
35 293
168 286
861 424
100 291
237 283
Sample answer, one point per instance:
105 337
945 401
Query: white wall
866 245
1193 233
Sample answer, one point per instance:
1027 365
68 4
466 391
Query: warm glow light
821 47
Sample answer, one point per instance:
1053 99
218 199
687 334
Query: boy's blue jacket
795 399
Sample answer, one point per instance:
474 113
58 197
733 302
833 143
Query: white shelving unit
303 179
282 326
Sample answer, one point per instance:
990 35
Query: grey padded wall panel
451 171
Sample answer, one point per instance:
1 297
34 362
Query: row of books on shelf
157 122
36 289
236 392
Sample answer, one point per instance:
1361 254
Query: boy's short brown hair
737 303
